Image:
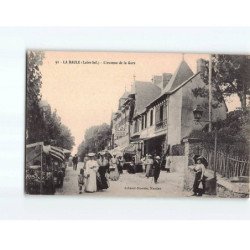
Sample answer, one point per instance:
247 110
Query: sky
85 92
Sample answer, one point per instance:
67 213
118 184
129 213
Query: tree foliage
42 125
96 138
230 75
233 131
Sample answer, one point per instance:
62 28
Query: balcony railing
161 124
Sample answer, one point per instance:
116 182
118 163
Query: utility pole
210 118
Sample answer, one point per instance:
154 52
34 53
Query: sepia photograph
134 124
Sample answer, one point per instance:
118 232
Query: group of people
96 172
152 166
73 161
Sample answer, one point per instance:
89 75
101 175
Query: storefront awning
153 136
130 149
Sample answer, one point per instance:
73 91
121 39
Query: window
136 126
146 118
142 122
151 117
161 113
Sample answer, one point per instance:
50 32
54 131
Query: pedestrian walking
149 162
81 180
143 161
168 164
113 168
90 174
120 164
70 162
75 162
156 168
102 181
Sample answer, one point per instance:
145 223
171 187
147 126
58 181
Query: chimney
158 81
166 78
201 64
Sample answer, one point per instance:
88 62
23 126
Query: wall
174 118
178 163
190 102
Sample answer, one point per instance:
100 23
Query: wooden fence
227 165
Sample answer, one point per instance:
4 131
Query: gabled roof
125 95
182 74
181 77
145 92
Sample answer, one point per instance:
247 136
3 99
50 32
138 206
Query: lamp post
198 112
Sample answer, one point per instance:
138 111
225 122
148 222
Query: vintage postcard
126 124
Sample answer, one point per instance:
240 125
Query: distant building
120 122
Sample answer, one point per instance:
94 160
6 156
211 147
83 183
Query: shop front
155 145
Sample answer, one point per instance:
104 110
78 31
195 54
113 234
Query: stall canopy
57 153
34 152
66 151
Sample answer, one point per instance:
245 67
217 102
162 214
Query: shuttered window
142 122
161 113
151 117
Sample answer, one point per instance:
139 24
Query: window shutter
157 114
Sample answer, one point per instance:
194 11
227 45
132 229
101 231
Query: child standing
81 180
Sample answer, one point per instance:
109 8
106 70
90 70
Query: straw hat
91 154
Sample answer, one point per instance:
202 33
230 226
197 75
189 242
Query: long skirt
90 185
101 180
196 189
114 174
149 171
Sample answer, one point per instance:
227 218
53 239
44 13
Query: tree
230 75
42 125
65 139
96 138
234 132
34 116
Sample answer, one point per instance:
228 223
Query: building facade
162 111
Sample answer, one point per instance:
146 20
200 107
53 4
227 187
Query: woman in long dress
91 169
114 173
199 181
102 182
149 162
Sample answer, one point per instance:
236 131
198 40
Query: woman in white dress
149 162
113 168
91 169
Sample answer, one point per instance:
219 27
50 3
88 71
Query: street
131 185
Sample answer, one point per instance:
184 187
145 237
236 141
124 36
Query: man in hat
156 168
75 162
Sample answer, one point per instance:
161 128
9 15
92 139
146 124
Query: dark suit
156 169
